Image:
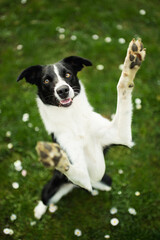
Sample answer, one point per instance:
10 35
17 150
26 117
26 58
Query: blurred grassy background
33 25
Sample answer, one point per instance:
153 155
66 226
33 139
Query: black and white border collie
81 132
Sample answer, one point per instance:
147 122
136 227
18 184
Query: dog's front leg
123 117
77 172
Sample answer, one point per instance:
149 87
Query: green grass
34 26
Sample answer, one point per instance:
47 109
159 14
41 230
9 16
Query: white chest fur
73 128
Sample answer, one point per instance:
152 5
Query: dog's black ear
77 63
31 74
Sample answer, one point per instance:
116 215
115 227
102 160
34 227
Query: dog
82 133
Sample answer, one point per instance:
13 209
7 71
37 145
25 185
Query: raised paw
136 53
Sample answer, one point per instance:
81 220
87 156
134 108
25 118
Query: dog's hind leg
123 117
52 192
104 184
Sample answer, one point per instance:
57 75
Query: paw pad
136 53
134 47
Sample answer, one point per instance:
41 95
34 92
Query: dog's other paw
52 156
135 54
39 210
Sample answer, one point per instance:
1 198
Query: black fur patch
53 186
107 180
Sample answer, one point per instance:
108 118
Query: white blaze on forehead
56 70
60 80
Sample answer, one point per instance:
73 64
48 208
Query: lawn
29 35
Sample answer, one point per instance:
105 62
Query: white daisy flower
77 232
121 40
13 217
138 101
19 47
120 171
132 211
138 106
121 67
8 133
95 37
24 173
119 192
36 129
33 223
61 30
23 1
25 117
142 12
113 210
137 193
10 145
114 221
100 67
15 185
94 192
6 230
17 163
30 125
107 236
108 39
119 26
19 168
62 36
11 232
52 208
73 37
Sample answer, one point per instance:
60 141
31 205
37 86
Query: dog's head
58 83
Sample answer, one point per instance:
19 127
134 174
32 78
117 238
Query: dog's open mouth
66 102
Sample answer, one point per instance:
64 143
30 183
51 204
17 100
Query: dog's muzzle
63 93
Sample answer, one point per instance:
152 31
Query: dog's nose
63 91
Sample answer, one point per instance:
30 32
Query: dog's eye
68 75
46 81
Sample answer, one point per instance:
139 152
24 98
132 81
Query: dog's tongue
66 101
